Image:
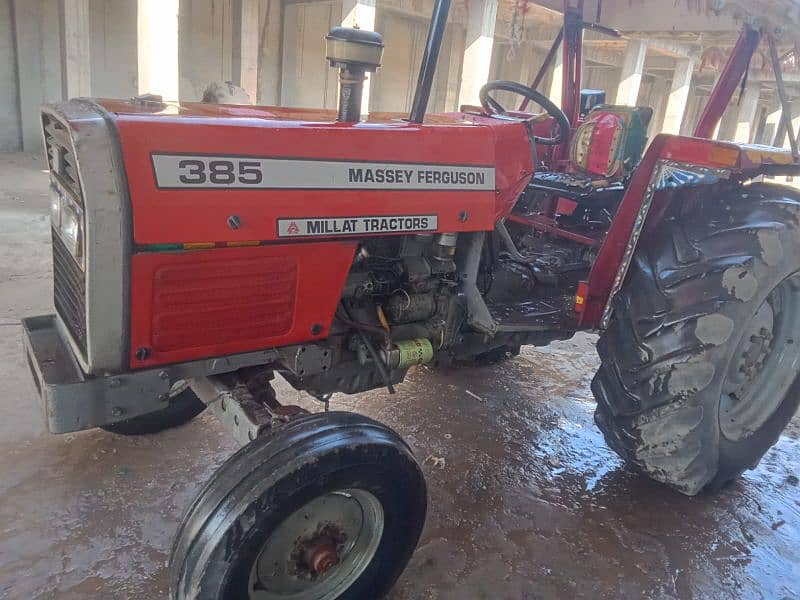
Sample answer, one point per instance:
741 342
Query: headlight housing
67 219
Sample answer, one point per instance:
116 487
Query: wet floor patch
526 500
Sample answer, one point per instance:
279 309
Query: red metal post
728 81
573 60
551 55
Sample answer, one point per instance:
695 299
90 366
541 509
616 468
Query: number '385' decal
219 172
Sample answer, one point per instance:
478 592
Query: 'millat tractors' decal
356 225
196 171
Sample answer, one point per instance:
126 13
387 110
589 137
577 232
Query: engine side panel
462 169
198 304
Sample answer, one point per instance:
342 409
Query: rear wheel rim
764 365
320 550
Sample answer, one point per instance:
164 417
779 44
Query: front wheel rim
320 550
764 364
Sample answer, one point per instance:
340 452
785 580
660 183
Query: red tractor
198 249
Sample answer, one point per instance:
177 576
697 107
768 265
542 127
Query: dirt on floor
526 500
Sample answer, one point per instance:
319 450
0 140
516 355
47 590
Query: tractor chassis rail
73 400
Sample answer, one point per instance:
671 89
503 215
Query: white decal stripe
336 226
216 172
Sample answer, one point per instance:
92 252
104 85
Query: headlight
55 207
67 219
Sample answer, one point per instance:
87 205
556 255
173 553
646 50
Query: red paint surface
693 151
204 303
728 82
168 216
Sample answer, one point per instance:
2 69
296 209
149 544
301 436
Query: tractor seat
605 150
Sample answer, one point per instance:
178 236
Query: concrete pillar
37 25
557 80
659 96
678 96
360 14
748 106
795 108
454 67
632 68
248 50
270 43
158 47
478 49
726 129
772 127
76 58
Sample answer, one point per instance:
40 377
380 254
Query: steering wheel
493 107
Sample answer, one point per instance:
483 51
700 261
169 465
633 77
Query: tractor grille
61 156
69 292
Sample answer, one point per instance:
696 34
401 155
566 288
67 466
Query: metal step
531 315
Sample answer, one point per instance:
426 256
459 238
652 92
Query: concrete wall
113 48
292 69
206 51
38 34
10 130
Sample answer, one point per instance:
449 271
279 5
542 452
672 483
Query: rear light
581 295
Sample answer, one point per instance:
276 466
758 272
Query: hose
360 327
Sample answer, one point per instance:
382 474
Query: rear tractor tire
699 365
330 506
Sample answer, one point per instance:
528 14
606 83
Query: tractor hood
193 168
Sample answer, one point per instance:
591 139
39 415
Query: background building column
360 14
632 68
748 108
77 60
557 80
247 48
678 96
772 126
478 49
157 42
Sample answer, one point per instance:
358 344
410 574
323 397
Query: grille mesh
60 156
69 292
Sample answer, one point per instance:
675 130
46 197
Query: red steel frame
730 78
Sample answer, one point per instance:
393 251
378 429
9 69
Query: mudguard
671 164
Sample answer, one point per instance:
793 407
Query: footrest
531 315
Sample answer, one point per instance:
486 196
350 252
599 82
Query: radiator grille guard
69 292
69 281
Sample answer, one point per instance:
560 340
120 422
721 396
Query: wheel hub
764 363
323 558
320 550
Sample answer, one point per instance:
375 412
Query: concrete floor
526 501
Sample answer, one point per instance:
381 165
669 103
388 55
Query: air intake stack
355 52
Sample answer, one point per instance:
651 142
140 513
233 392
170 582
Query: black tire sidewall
181 408
736 456
388 473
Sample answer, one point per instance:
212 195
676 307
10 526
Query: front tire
330 506
699 365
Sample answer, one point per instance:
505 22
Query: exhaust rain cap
350 48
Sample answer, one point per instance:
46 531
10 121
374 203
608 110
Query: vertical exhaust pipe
429 59
355 53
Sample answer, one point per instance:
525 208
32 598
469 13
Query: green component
414 352
161 247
